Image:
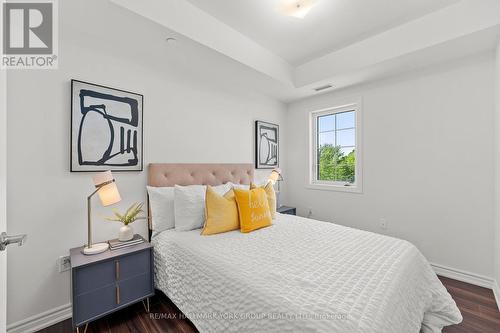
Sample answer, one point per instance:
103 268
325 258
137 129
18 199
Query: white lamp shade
275 175
108 194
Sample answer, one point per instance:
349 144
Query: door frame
3 197
3 187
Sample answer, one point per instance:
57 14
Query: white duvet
301 275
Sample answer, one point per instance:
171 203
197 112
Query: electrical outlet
309 212
383 223
64 264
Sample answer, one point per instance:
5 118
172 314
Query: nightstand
109 281
287 210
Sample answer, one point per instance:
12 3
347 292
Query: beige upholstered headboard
163 175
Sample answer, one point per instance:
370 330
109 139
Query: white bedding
301 275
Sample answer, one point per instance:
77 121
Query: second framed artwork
266 145
106 128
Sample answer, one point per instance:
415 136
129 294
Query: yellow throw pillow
253 209
221 213
271 197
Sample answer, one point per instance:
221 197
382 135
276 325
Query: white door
3 197
5 240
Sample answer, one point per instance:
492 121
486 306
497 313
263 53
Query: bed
299 275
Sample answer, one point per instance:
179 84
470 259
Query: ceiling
340 43
330 25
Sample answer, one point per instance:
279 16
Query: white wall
195 110
428 142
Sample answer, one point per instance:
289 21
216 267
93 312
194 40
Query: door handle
7 240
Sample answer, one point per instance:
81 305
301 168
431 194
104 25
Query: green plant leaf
131 214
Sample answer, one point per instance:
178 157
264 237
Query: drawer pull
117 270
117 294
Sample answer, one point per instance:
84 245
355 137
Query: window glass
326 138
346 120
346 137
335 150
326 123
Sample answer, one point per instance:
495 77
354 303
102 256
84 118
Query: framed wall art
266 145
106 128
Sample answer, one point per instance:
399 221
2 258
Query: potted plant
130 216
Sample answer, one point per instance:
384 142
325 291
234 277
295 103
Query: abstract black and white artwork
266 145
106 128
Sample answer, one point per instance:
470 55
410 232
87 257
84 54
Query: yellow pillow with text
271 197
221 212
253 209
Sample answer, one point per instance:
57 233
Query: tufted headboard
164 175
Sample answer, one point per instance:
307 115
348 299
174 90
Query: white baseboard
41 320
496 292
468 277
464 276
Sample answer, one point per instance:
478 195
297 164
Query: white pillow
240 186
161 201
189 203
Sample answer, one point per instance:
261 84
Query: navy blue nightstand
287 210
109 281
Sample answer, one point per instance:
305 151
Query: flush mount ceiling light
296 8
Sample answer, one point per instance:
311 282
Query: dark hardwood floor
163 317
477 305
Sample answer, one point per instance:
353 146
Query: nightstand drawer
93 304
133 264
96 276
100 301
89 278
135 288
287 210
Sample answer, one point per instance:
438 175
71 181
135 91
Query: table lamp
105 186
276 177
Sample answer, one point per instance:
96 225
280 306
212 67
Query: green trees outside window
334 165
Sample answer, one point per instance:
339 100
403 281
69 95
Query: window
335 159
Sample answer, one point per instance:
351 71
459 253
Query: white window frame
312 181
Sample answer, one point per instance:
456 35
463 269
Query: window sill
335 188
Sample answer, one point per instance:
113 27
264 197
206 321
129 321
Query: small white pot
126 233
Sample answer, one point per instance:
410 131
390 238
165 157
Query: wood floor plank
477 305
62 327
467 286
464 303
469 295
125 321
490 314
475 321
99 326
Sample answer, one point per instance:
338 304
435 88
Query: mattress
301 275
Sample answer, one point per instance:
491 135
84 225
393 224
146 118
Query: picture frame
106 129
266 145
